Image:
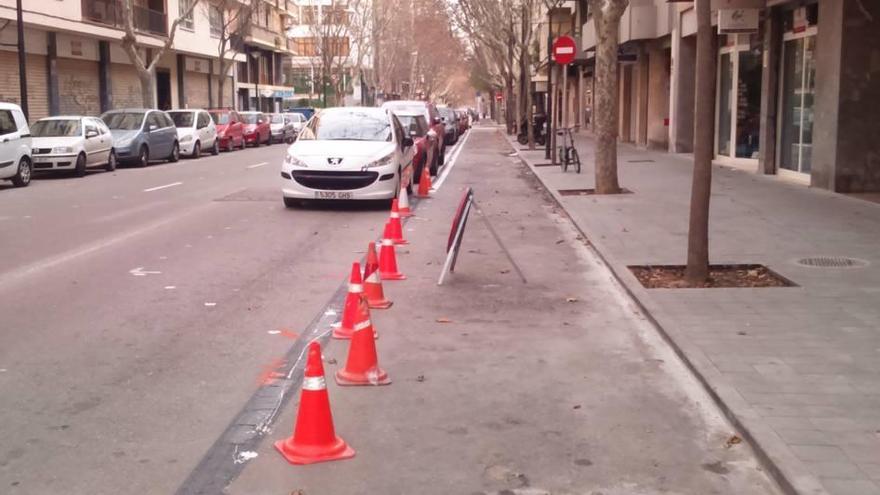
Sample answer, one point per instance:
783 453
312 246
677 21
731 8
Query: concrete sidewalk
797 368
555 386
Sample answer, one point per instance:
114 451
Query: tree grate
831 262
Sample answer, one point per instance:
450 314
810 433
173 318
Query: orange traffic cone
395 227
349 311
314 438
403 203
373 282
362 365
425 183
388 261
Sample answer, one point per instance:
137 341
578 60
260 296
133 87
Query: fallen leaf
560 241
504 271
420 378
733 440
571 299
444 320
577 407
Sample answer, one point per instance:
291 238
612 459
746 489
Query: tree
606 19
697 271
234 19
146 69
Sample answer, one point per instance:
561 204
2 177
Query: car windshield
447 113
277 119
182 119
414 124
249 118
220 117
124 121
352 125
56 128
407 108
298 117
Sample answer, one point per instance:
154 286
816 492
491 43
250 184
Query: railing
109 12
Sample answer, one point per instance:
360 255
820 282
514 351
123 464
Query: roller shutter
78 87
196 89
38 88
125 86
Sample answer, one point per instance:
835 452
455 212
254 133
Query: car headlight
186 139
294 161
58 150
381 162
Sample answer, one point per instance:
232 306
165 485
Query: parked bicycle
568 155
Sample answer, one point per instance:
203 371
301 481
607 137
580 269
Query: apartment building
797 86
263 80
76 63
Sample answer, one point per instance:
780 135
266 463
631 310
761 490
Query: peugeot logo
334 161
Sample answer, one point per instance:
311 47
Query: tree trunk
530 114
606 103
147 93
697 271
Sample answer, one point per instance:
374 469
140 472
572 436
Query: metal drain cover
831 262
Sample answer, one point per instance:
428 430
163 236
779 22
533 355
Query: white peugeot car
348 153
72 143
196 132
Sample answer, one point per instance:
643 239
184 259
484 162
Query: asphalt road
139 309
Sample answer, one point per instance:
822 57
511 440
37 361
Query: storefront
738 105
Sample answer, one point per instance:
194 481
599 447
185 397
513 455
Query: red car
230 130
257 129
415 125
463 121
435 126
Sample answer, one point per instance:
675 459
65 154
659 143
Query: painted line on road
257 165
166 186
452 161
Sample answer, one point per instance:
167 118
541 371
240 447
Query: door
9 144
797 89
205 129
163 89
92 142
106 140
157 137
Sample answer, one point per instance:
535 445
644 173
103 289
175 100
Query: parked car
348 153
306 112
299 121
256 128
72 143
435 123
281 128
450 125
195 132
141 135
464 121
15 146
416 127
230 129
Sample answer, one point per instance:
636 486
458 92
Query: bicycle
568 154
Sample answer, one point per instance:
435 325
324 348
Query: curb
773 454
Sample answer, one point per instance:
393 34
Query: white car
348 153
196 132
72 143
15 146
299 120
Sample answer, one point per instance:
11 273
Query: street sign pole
564 50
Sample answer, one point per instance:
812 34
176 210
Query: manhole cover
831 262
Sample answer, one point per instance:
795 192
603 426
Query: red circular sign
564 50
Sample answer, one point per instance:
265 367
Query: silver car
281 128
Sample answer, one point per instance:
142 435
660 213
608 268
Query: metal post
548 111
22 66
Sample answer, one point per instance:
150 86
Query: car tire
25 170
111 162
197 150
291 203
215 150
175 153
79 169
143 157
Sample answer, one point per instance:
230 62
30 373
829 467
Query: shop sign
284 93
731 21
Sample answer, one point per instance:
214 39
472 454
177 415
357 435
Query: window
91 128
57 128
335 16
215 19
7 123
154 120
186 21
166 120
123 121
305 47
203 120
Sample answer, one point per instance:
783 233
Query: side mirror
91 134
407 142
152 127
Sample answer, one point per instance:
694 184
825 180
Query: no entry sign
564 50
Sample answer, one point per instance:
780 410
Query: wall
658 96
682 94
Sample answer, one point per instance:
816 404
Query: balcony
109 12
269 38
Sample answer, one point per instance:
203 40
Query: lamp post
22 67
256 56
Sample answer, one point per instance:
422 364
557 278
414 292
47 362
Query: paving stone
851 487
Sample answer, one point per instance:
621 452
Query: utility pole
548 117
22 66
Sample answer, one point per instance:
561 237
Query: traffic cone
396 228
373 282
425 183
314 438
388 262
362 365
403 204
349 310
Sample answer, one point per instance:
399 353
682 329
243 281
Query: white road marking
170 287
452 161
166 186
140 272
257 165
210 304
274 332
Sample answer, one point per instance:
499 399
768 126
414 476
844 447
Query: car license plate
332 195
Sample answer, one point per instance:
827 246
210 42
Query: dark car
257 129
435 125
306 112
141 135
230 130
